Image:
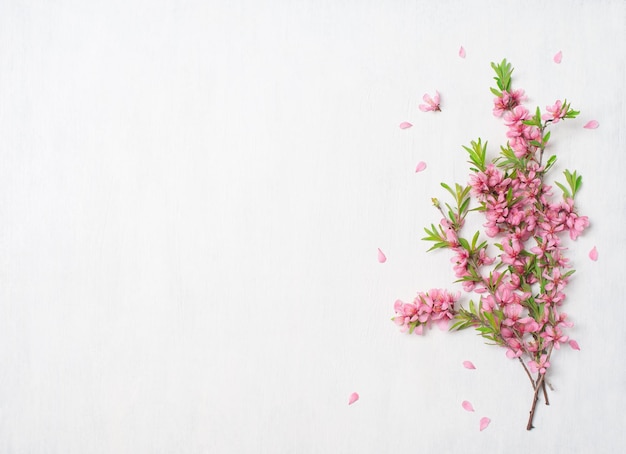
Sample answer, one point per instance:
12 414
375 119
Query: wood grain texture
192 195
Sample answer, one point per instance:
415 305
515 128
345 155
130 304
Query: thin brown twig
545 392
539 385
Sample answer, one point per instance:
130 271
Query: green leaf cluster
477 153
571 113
503 72
574 181
462 198
487 323
438 236
508 161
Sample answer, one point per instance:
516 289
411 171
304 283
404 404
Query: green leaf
449 189
566 193
474 240
546 137
550 162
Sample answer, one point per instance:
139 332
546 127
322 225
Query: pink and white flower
432 104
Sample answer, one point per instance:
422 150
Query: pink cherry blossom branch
521 295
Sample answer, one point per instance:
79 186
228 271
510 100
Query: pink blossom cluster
434 306
463 260
517 205
507 101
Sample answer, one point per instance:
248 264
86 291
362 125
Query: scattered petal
574 344
420 166
484 422
593 254
405 125
353 398
467 406
468 365
593 124
381 257
558 57
462 52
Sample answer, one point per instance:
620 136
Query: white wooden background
192 194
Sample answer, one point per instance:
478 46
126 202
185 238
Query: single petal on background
353 398
462 52
593 124
468 365
574 345
558 57
593 254
382 258
420 166
467 406
405 125
484 423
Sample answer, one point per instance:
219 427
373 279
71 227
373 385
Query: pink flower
432 104
512 313
435 305
507 101
539 366
556 112
516 116
406 315
576 225
512 248
554 335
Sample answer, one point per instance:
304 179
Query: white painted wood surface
192 194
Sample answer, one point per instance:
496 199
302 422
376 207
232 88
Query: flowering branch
521 289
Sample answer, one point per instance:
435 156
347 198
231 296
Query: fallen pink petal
420 166
574 345
484 423
353 398
558 57
468 365
382 258
467 406
405 125
593 254
462 52
593 124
